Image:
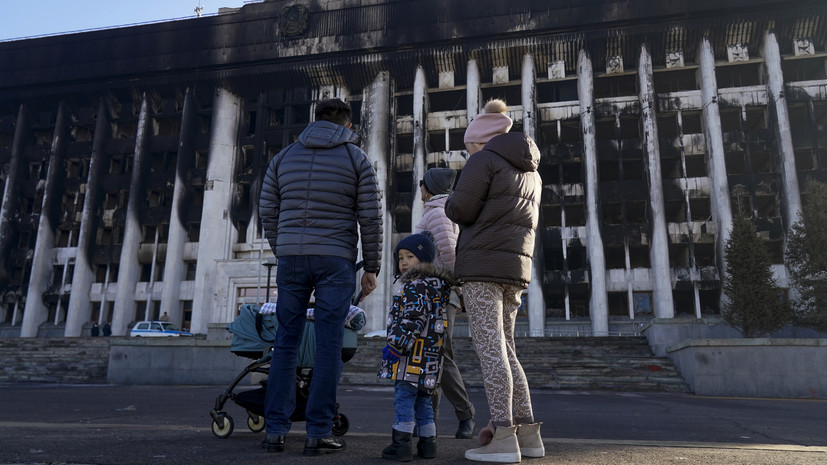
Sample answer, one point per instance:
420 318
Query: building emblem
293 20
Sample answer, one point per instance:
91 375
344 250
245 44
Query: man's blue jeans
334 280
412 406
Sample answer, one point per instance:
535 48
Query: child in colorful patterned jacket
413 354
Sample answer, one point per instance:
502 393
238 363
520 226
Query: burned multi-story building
132 157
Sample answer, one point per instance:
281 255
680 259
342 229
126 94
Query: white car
156 329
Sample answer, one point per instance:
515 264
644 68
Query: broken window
675 80
738 75
608 86
804 68
557 91
454 100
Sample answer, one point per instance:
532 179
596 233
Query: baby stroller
254 331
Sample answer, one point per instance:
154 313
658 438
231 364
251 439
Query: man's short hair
333 110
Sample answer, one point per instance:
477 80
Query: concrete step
588 363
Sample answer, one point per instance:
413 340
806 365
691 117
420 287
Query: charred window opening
612 212
192 268
710 301
250 122
277 117
736 163
167 126
762 161
575 215
691 123
436 141
402 221
615 257
242 232
704 254
667 127
700 209
579 304
738 75
804 159
670 168
636 212
684 301
639 257
193 232
201 159
615 86
696 166
301 115
557 91
404 105
632 169
512 95
576 258
403 181
674 210
804 68
675 80
731 120
404 143
679 255
555 305
124 129
456 139
453 100
551 216
766 206
150 232
100 273
618 304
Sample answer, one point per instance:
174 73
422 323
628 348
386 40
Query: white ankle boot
503 448
530 441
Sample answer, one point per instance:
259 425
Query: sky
29 18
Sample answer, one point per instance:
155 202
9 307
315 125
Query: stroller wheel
256 423
340 425
225 430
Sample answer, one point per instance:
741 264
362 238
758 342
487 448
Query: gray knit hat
440 180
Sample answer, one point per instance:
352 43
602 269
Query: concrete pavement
107 424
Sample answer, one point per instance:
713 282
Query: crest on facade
293 20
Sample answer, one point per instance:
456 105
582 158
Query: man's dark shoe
466 429
319 446
273 443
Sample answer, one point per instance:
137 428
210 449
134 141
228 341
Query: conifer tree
755 306
806 258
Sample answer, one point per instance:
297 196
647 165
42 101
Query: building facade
132 157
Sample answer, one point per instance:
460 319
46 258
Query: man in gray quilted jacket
319 196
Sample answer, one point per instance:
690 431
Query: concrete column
420 141
175 269
129 268
598 301
79 305
783 133
215 241
659 248
472 90
536 302
719 186
9 208
40 279
376 122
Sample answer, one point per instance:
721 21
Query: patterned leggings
492 310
